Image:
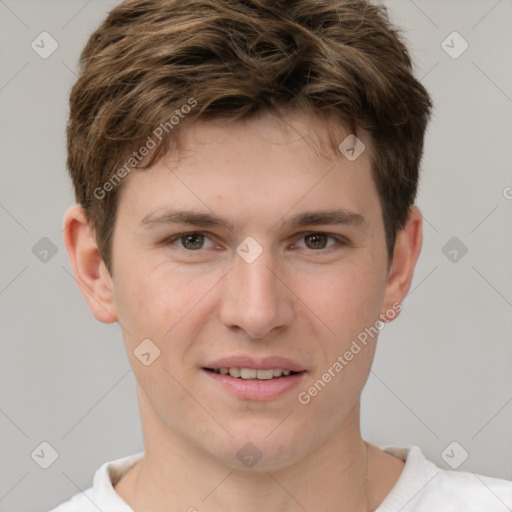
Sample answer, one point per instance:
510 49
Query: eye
318 241
189 241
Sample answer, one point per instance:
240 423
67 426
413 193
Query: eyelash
341 241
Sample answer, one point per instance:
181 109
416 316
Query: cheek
159 308
349 305
160 305
347 299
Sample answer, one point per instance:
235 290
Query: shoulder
423 487
102 496
82 501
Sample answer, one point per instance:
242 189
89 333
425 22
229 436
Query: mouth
256 379
252 379
253 373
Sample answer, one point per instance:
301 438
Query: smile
252 373
255 384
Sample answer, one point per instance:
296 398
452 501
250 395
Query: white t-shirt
422 487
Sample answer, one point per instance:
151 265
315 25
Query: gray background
442 370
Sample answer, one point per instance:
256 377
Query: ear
406 252
90 271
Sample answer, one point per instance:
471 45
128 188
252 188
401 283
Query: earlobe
89 269
407 250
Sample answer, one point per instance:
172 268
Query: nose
256 298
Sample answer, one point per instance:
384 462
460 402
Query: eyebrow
208 220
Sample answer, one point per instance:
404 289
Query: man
245 174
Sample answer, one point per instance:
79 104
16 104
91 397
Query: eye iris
195 236
316 236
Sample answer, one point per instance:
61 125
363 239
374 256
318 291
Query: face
250 281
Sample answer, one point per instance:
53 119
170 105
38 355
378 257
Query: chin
259 448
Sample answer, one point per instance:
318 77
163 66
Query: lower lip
254 389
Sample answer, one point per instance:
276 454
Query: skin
203 304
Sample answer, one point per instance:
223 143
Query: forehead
307 135
257 166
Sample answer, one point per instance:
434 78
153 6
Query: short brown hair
232 59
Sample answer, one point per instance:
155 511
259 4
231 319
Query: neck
333 476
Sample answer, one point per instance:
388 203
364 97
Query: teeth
235 372
251 373
245 373
265 374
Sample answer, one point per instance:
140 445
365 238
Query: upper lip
263 363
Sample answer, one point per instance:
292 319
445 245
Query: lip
263 363
254 389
